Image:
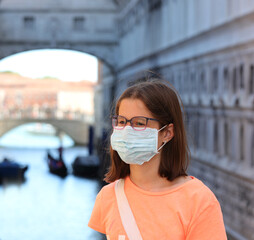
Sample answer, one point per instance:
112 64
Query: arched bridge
86 26
76 129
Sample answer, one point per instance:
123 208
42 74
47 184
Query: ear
168 133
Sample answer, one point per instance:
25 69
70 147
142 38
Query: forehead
130 107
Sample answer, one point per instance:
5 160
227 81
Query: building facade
45 98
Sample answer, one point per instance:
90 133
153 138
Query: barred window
29 22
78 23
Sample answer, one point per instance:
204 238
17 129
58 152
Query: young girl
149 151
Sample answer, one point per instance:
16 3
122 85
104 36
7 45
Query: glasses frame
130 121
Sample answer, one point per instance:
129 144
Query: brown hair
164 104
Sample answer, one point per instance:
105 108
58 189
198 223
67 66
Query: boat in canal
41 129
86 166
10 169
56 166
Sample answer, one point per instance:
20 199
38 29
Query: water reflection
46 206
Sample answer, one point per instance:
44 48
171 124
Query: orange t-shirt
187 212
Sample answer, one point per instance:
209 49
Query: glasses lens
139 123
118 122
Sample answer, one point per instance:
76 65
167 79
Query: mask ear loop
162 128
164 143
161 146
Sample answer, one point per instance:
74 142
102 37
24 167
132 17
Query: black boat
10 169
86 166
56 166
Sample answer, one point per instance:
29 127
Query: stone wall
235 194
217 93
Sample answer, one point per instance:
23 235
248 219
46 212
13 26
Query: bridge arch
76 129
96 52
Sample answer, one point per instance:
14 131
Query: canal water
46 206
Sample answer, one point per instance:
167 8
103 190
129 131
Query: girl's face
130 108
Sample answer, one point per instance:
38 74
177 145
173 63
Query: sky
66 65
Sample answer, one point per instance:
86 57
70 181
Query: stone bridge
76 129
86 26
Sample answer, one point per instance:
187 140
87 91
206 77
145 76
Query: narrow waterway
46 206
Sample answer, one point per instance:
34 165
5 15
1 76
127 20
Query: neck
146 176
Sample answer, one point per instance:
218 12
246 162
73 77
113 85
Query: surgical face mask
136 147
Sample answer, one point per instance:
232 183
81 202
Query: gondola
56 166
10 169
86 166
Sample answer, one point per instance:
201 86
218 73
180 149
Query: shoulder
200 190
105 199
206 220
103 207
200 195
107 191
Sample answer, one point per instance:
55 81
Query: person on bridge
148 173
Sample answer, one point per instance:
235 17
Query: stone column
210 134
235 153
221 137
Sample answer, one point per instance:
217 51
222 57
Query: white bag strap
126 214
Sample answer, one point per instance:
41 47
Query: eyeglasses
137 123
